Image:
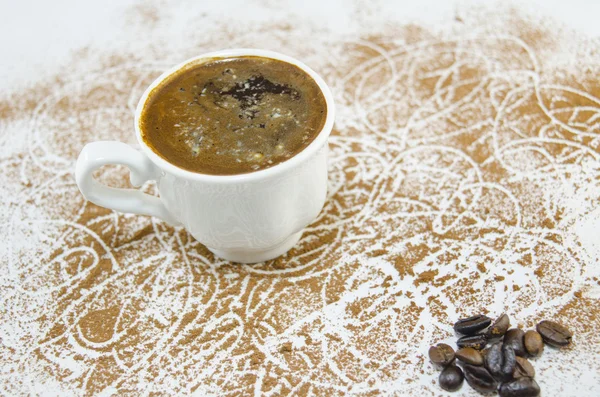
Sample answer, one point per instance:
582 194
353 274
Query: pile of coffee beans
493 356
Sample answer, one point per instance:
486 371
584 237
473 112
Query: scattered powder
285 348
426 277
460 161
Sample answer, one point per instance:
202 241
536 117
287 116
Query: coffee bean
500 361
477 342
514 339
451 378
554 334
499 327
479 378
468 355
521 387
493 358
523 368
472 325
441 354
534 345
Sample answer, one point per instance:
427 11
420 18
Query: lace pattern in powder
463 179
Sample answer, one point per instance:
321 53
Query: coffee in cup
233 115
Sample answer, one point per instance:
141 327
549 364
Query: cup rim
294 161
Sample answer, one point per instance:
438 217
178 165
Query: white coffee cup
243 218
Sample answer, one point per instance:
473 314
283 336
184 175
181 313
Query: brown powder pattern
463 178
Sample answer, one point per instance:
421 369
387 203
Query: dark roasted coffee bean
510 361
441 354
477 342
521 387
493 359
479 378
451 378
523 368
500 361
472 325
499 327
514 339
468 355
534 345
554 334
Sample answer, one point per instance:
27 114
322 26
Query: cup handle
96 154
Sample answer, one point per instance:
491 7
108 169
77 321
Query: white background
36 37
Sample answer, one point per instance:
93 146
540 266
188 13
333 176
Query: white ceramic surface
244 218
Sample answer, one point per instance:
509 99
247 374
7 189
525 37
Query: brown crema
236 115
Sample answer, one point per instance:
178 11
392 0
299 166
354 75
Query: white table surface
37 38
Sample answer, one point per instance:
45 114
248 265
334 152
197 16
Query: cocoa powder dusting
463 173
